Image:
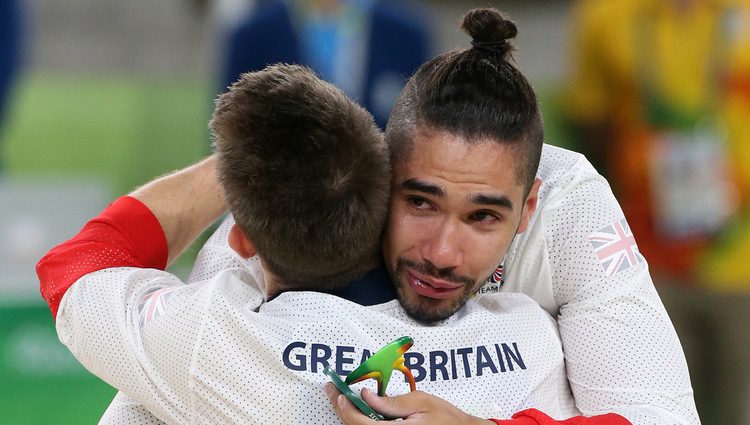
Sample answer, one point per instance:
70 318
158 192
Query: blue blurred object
10 52
10 46
367 48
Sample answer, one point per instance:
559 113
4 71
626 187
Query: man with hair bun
475 191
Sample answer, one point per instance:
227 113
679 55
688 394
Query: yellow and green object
379 367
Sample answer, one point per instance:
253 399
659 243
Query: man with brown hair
301 165
298 163
306 173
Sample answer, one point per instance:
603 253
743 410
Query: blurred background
98 97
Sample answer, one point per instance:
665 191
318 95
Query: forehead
445 157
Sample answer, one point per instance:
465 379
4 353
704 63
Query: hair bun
489 29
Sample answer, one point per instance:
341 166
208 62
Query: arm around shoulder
621 350
147 229
185 202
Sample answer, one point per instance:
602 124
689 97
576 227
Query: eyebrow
421 186
501 201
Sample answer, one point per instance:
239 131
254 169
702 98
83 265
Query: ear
240 243
529 205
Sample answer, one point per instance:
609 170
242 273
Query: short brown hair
306 174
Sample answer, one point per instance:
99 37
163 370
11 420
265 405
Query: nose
442 247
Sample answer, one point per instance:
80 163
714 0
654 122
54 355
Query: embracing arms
148 229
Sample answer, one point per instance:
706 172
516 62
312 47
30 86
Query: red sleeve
125 234
535 417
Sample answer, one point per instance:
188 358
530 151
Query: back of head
306 174
476 93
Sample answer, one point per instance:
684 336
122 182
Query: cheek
398 235
406 230
485 261
487 252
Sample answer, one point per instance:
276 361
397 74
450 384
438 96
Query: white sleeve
621 350
214 257
125 411
137 330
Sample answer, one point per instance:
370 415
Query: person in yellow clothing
660 99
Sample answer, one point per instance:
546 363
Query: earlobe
240 243
529 205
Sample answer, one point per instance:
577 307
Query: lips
431 288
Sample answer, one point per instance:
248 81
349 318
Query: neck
272 287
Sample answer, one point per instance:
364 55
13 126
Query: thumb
400 406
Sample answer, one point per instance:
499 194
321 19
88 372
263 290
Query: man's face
455 210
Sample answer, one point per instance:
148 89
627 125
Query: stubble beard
424 309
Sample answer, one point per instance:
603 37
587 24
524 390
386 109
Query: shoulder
511 308
575 201
557 164
234 288
139 288
517 315
563 171
508 304
573 197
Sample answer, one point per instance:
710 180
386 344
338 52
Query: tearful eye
484 217
419 203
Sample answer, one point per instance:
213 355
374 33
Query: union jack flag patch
154 304
497 275
615 247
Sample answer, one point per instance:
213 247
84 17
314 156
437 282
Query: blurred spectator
660 96
365 47
10 56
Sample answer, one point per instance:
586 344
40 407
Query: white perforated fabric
621 350
217 353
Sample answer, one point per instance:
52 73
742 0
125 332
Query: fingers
403 406
417 407
395 407
347 412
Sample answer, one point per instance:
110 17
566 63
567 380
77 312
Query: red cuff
141 228
125 234
536 417
522 420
